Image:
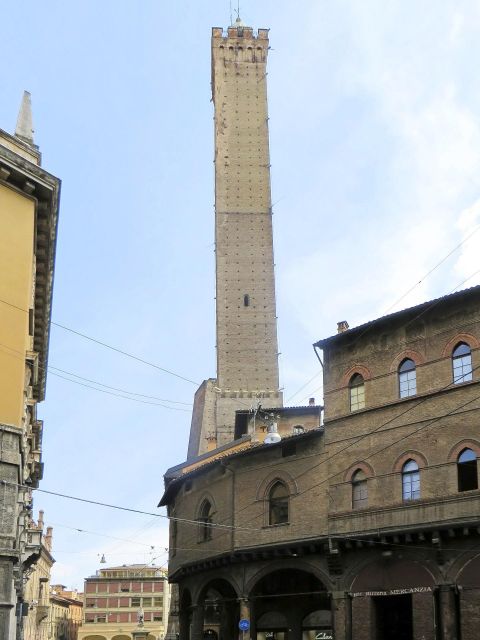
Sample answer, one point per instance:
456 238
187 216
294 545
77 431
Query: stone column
448 614
341 611
244 615
197 622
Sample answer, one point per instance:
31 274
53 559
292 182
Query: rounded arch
95 637
384 575
267 483
466 572
222 584
121 636
293 564
356 368
414 455
460 446
407 354
360 465
468 338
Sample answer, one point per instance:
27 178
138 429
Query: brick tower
247 351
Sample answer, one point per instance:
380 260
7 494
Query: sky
375 150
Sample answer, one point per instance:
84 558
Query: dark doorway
393 617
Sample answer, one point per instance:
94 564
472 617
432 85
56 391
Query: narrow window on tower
246 300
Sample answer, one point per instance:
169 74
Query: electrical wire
21 356
366 435
107 346
430 306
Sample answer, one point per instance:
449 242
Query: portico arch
283 598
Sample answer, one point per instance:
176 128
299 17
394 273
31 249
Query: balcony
445 512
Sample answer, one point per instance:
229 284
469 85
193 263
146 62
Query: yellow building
29 198
37 589
65 613
115 598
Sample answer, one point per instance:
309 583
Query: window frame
359 489
410 478
278 506
356 392
462 360
467 471
408 378
204 520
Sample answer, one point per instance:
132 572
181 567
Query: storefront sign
392 592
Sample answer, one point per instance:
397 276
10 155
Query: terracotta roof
254 447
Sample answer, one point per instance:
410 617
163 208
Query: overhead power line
108 346
14 353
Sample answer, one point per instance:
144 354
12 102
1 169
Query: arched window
205 520
410 481
278 504
359 490
462 363
357 392
407 378
467 470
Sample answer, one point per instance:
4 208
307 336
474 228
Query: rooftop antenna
231 13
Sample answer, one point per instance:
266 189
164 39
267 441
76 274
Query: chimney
311 402
40 520
48 539
342 326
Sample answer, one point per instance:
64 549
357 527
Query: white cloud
408 66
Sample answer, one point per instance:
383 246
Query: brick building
365 528
115 597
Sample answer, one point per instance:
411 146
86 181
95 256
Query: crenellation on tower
246 327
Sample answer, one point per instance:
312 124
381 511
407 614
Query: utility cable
107 346
433 303
357 439
21 356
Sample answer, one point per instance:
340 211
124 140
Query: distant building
65 613
37 588
116 596
29 200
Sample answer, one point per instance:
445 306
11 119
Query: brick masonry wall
246 335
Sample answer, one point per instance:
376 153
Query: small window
135 602
278 504
205 521
462 363
246 300
410 481
357 392
359 490
157 617
146 602
125 587
407 378
467 470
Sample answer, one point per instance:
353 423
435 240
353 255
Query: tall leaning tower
247 351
